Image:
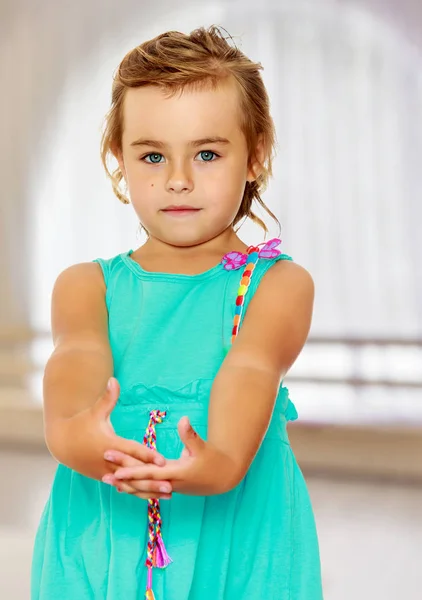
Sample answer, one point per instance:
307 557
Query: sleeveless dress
169 334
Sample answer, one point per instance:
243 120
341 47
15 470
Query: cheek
144 194
231 184
141 184
224 177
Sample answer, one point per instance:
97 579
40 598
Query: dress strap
252 259
105 267
235 260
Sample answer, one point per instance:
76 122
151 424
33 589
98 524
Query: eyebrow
194 143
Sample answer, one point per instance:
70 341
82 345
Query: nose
180 180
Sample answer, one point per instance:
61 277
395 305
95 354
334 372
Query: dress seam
292 539
182 278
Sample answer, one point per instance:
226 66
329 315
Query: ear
256 161
118 155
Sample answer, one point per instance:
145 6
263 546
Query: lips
181 211
181 214
180 208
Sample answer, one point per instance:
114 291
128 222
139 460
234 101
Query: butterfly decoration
236 260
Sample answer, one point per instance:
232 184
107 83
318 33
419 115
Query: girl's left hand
201 469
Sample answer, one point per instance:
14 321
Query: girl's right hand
84 438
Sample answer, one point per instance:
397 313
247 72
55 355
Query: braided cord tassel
156 552
253 255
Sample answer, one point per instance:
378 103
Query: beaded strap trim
235 260
156 552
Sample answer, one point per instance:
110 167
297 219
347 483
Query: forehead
191 113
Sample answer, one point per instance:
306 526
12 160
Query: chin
179 238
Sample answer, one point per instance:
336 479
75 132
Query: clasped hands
201 469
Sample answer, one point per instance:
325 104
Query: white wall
345 82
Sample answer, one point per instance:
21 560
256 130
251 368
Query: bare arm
77 405
78 370
273 333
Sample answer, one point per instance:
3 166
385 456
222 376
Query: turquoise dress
169 334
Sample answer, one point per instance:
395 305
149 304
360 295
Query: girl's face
184 150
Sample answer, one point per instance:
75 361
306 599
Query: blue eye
155 158
207 155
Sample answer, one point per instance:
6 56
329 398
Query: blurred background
345 81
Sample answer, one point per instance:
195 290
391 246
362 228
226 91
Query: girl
199 331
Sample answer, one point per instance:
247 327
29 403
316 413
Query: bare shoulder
287 272
287 290
81 274
78 303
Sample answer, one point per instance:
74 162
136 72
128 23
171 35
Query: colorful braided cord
156 552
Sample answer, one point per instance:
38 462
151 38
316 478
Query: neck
226 241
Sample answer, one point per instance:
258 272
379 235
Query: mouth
181 210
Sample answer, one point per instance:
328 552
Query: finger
172 470
111 480
185 453
121 459
140 451
152 489
106 403
139 485
121 486
140 472
191 440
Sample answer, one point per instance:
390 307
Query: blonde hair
175 60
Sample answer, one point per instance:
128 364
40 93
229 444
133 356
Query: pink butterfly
235 260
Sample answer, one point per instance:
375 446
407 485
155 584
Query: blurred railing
355 347
335 379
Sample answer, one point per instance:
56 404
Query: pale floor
370 533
